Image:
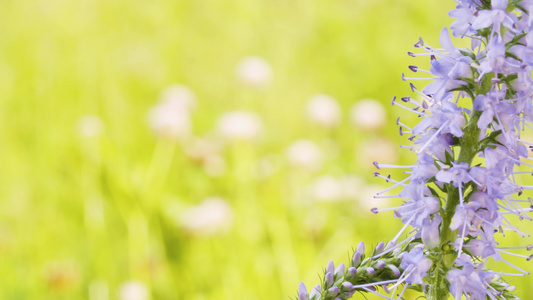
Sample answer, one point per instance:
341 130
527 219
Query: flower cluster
465 191
364 274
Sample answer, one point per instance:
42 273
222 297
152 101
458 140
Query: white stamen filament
513 266
411 110
512 254
390 179
376 293
433 137
402 124
406 224
386 166
391 196
419 78
394 247
360 286
393 186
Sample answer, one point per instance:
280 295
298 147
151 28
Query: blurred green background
179 150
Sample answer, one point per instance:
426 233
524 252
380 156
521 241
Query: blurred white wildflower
170 118
200 149
239 125
214 165
324 110
179 95
90 126
133 290
352 186
267 166
214 215
254 71
368 114
366 198
206 152
378 149
327 188
306 154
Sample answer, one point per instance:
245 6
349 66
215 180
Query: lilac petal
430 232
462 14
529 39
445 40
483 20
485 119
458 219
499 4
445 176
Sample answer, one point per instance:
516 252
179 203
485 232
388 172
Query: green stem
439 287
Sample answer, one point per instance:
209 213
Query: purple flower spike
466 190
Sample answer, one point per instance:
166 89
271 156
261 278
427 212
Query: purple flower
485 246
463 25
495 17
416 264
495 60
430 231
458 174
470 280
446 117
418 210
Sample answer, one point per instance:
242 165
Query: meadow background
104 195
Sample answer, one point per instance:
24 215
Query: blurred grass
80 216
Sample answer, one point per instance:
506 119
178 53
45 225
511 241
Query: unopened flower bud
346 286
380 264
302 291
348 294
401 255
315 292
339 271
394 270
372 288
328 279
333 291
361 248
331 267
356 259
379 248
370 271
390 244
352 272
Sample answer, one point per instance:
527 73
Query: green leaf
449 158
